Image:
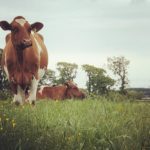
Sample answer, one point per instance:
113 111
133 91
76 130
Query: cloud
138 1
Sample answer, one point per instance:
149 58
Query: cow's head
73 91
20 31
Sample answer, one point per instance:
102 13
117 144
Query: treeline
98 81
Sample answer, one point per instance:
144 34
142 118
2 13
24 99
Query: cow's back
55 93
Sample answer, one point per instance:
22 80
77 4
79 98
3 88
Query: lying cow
24 58
67 91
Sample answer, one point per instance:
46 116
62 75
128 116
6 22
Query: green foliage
144 92
67 71
98 82
135 94
48 78
90 124
4 84
119 66
116 96
5 94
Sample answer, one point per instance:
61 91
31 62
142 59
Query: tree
48 78
119 66
67 71
89 70
3 79
98 82
102 84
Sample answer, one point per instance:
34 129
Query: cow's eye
15 30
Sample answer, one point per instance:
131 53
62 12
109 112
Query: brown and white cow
24 58
69 90
52 92
73 91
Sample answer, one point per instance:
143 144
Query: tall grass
69 125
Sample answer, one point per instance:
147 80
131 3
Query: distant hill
145 91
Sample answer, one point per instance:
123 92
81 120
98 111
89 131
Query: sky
90 31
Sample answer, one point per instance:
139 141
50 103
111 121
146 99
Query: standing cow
24 58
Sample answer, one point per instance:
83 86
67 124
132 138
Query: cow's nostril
26 42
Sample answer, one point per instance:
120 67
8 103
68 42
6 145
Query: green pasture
92 124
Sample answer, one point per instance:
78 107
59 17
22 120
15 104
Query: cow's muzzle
25 44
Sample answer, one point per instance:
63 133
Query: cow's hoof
33 103
17 103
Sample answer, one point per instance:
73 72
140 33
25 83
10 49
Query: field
75 125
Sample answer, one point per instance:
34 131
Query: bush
5 94
135 95
110 96
116 96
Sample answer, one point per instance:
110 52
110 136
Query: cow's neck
20 56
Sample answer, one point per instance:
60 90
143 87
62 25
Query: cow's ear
37 26
5 25
67 84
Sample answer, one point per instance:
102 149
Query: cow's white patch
21 21
37 43
20 96
33 90
41 72
6 71
42 88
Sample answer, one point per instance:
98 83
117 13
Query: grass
75 125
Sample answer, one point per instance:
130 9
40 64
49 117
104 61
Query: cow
60 92
24 58
52 92
73 91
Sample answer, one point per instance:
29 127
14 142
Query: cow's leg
33 90
19 96
34 85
